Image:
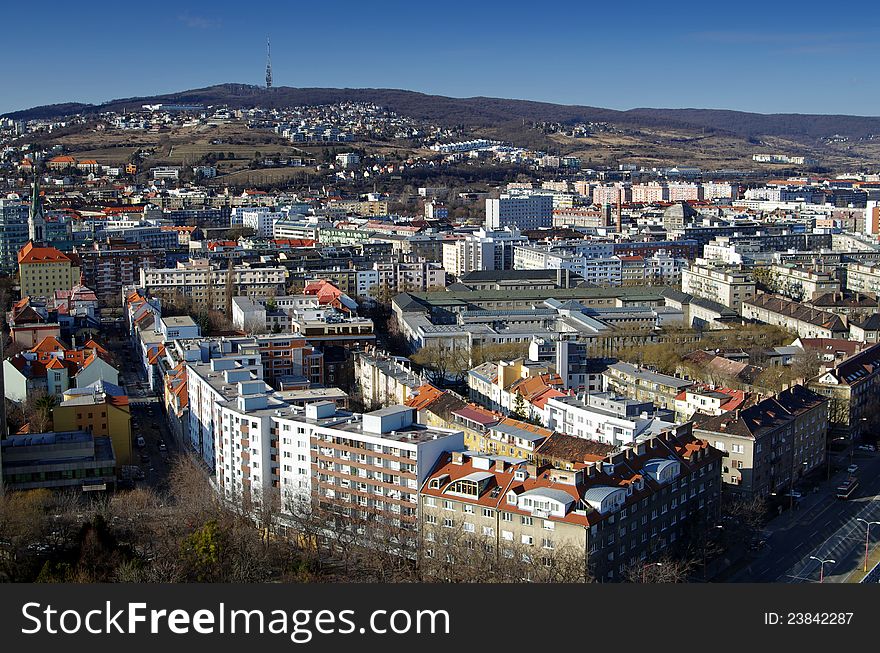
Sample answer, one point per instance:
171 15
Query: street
147 420
823 527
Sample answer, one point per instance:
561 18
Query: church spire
36 219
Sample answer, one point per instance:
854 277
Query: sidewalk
803 507
860 573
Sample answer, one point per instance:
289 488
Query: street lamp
645 570
822 566
868 525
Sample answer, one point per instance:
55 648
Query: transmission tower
268 64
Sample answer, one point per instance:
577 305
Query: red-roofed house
707 400
53 367
44 270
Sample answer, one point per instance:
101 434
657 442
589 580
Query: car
162 446
141 442
867 447
794 495
852 469
145 457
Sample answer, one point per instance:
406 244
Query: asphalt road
821 526
147 420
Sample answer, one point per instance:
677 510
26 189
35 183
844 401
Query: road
147 420
822 526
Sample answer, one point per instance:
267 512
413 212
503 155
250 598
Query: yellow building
101 409
43 270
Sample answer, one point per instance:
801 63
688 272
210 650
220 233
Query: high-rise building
13 232
521 211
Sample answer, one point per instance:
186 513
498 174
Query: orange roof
48 344
62 159
55 364
424 396
32 254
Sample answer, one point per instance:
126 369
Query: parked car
867 447
141 442
162 445
852 469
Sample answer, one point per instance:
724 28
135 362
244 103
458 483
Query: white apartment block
482 250
261 219
359 464
208 385
863 277
603 417
521 211
727 286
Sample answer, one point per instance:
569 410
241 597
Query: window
488 531
448 505
506 516
448 522
488 512
526 521
547 543
468 527
528 540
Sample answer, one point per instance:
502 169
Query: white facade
521 211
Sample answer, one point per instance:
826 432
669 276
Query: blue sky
753 56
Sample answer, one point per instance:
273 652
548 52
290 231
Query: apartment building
207 284
101 409
384 379
13 232
110 265
851 385
727 285
606 417
805 321
360 466
44 270
209 384
481 250
579 370
801 284
705 399
644 385
261 219
520 211
615 513
502 386
769 446
398 277
863 277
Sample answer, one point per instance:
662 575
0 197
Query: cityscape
260 333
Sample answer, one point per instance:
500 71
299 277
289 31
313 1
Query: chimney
619 215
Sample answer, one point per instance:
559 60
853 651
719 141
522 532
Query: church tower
36 219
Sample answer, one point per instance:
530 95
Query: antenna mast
268 63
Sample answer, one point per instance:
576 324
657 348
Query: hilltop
485 111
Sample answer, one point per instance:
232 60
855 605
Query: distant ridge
483 111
